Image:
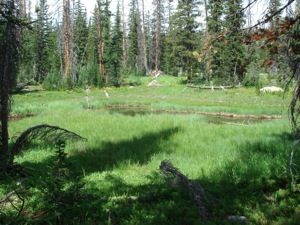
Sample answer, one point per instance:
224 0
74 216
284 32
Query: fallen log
211 87
196 192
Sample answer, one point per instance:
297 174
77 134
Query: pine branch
277 12
44 132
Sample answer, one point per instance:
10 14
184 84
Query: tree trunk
5 96
206 15
157 35
100 42
8 73
72 43
22 8
66 38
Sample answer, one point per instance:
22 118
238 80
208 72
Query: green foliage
228 54
133 37
115 53
80 33
88 75
131 76
250 80
60 189
182 37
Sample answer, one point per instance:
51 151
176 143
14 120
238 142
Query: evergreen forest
149 112
209 42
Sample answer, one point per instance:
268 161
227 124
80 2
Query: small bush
250 80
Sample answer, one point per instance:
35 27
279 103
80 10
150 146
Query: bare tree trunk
72 49
206 15
100 41
124 34
22 8
66 38
157 35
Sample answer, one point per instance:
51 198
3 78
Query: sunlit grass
122 154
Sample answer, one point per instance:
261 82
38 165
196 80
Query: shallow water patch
215 118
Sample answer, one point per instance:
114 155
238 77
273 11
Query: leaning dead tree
196 192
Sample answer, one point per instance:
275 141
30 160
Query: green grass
239 164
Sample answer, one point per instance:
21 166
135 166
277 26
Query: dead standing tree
157 35
100 41
66 7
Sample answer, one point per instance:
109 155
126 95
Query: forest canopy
220 42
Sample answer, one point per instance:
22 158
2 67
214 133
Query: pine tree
233 50
167 58
215 26
106 37
159 12
133 37
115 51
183 34
91 43
225 52
80 34
43 47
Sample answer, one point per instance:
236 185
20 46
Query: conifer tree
159 13
43 46
233 50
167 58
133 37
80 34
91 47
215 26
225 52
115 51
106 37
183 34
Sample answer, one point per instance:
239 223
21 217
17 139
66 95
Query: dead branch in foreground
197 193
44 132
291 161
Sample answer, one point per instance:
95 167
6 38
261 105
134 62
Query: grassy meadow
241 159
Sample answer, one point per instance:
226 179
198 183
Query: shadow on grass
157 202
257 183
109 155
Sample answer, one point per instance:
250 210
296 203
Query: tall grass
232 161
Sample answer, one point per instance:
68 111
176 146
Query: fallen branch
291 160
211 87
197 193
183 90
7 199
